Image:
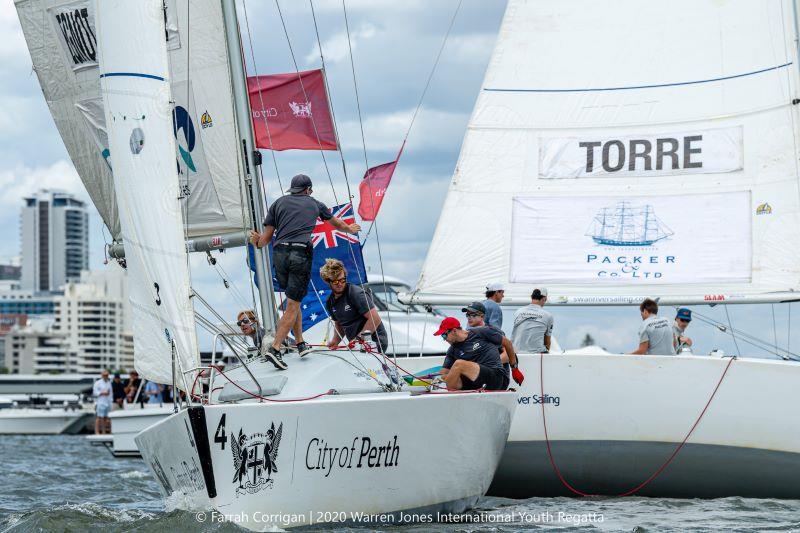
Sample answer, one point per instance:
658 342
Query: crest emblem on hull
254 459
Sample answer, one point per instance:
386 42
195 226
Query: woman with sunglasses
351 308
248 324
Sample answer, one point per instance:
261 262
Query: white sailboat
587 104
43 415
336 419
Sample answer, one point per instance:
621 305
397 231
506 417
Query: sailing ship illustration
627 225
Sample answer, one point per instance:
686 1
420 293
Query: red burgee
278 101
373 188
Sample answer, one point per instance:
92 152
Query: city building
89 330
55 240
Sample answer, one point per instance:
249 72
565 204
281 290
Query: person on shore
351 308
476 316
103 394
249 326
655 334
291 219
533 326
682 319
494 295
118 393
473 359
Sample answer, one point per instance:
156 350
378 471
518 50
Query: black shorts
293 269
488 378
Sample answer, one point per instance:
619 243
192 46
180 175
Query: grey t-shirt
494 315
294 216
657 331
481 346
348 311
531 325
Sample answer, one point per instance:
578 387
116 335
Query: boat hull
129 422
337 457
26 421
614 420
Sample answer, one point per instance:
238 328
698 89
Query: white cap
495 287
541 290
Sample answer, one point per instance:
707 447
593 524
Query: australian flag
329 243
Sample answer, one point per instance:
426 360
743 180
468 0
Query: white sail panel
62 41
619 76
61 38
137 99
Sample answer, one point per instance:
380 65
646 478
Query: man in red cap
476 313
473 360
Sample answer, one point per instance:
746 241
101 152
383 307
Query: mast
251 159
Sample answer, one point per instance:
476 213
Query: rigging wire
774 328
746 337
730 325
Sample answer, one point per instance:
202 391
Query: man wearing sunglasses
248 325
291 219
476 316
473 359
682 320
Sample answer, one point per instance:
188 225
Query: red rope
654 474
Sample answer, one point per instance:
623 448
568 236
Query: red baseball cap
447 324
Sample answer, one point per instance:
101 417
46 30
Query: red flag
285 117
372 189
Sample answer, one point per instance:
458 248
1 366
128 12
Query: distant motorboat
36 415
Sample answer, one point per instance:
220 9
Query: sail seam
651 86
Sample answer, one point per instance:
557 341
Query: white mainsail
683 112
61 37
134 78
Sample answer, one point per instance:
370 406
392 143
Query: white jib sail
61 37
621 149
134 76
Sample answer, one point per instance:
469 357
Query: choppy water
63 484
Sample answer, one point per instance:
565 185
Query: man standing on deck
682 320
103 395
533 326
473 360
475 313
494 295
291 219
655 334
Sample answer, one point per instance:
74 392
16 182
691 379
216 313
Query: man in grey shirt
291 220
533 326
494 295
655 334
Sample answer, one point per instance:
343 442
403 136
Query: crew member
682 319
655 333
494 295
249 326
473 359
351 308
291 219
476 313
533 326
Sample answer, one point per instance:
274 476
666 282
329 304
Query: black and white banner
74 24
606 154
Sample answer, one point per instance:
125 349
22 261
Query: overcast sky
394 47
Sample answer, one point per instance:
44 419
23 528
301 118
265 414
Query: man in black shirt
350 307
475 313
118 392
473 360
291 220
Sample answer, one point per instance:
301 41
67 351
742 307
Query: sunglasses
445 334
472 315
244 322
340 281
684 320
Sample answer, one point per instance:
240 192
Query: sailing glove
518 376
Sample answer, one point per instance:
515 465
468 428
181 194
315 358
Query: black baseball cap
474 307
300 183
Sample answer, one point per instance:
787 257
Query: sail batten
613 165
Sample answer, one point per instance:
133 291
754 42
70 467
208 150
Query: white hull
613 420
340 455
25 421
129 422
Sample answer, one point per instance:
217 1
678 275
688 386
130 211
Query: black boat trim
197 419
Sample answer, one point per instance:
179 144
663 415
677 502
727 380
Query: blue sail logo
181 121
627 225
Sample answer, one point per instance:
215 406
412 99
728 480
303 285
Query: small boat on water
43 415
